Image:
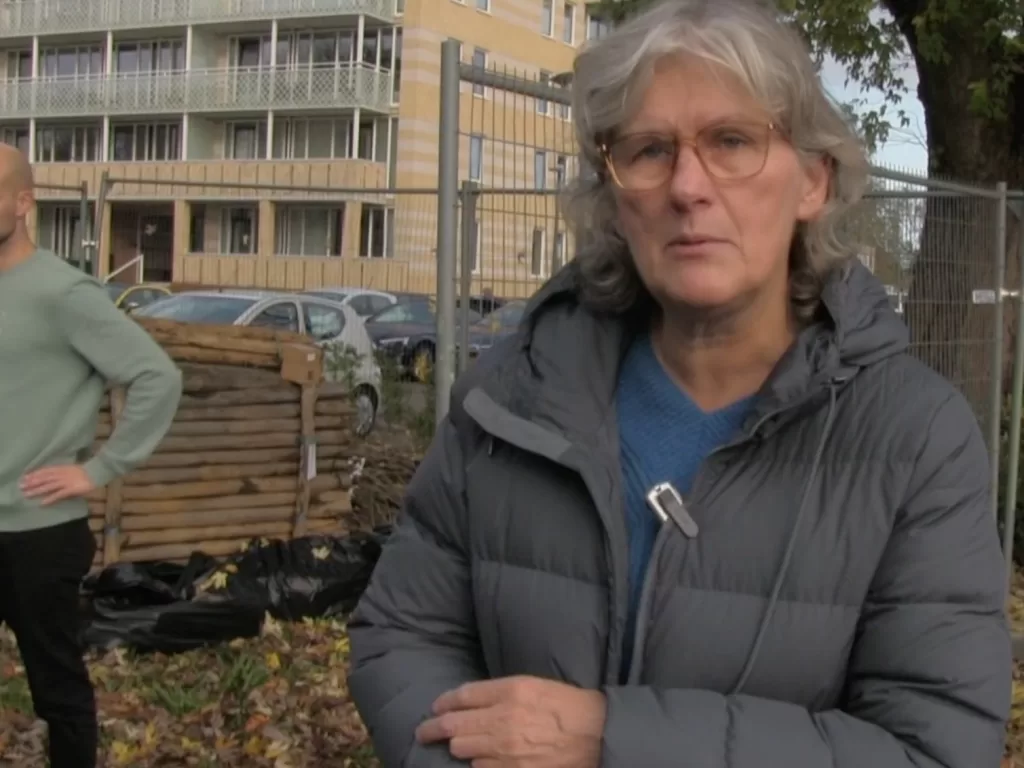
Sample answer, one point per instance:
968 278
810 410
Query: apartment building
268 142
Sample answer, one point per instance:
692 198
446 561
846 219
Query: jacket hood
564 364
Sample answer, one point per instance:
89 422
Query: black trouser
40 574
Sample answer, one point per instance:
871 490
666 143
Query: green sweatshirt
62 341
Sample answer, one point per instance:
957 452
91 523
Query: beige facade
288 148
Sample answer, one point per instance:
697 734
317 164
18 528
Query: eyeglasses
728 151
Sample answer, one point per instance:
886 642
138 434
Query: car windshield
416 313
332 295
218 310
405 312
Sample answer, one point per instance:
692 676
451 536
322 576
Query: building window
15 137
246 141
372 140
474 263
393 154
60 229
239 230
312 139
19 66
483 5
479 64
540 169
371 231
309 51
68 144
537 252
250 52
558 257
596 28
542 104
309 230
197 228
396 70
476 158
143 58
569 23
561 164
145 142
72 61
547 17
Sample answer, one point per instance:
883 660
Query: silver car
365 301
332 325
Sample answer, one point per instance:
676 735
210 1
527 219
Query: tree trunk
958 241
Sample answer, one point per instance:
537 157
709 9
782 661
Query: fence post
97 224
469 193
447 221
1016 397
85 241
996 392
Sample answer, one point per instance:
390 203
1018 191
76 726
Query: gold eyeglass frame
605 149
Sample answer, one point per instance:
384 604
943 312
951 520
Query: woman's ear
817 179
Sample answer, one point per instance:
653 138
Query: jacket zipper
667 523
640 632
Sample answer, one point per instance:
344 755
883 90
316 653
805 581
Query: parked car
333 326
364 301
502 322
130 297
407 334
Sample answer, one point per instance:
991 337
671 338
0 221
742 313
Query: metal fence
940 247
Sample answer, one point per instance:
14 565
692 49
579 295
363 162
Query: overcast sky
905 148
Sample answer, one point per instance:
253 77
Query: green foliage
402 404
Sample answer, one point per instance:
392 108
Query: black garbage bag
173 608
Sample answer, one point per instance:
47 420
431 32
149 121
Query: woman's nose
690 183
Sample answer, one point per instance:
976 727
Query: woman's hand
519 722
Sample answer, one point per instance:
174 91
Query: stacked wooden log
249 455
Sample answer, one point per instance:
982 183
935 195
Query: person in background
704 509
62 342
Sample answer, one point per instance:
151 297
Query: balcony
43 17
156 181
199 90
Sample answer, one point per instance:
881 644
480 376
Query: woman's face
698 239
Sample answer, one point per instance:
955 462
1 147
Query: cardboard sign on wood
302 364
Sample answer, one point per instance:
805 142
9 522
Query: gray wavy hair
750 41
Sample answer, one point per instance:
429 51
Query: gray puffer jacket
841 605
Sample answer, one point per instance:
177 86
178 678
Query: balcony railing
198 90
38 17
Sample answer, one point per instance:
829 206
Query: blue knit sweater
663 437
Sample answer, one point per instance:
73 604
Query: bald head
15 170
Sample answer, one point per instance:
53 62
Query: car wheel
423 364
366 410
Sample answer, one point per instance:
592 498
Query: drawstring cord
787 558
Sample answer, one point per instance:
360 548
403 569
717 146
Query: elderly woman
704 510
